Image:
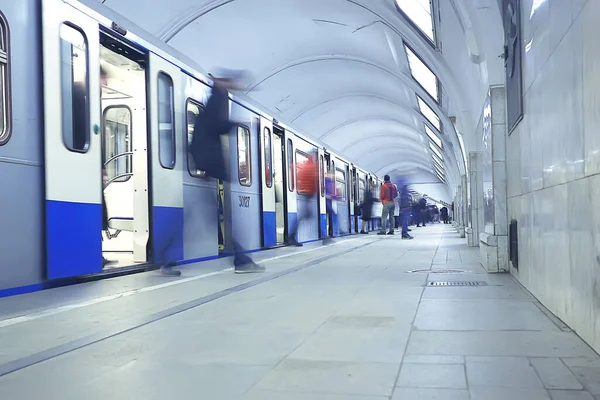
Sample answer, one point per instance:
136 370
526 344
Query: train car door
201 229
280 183
322 195
340 173
269 219
352 197
165 83
72 143
124 152
243 219
290 198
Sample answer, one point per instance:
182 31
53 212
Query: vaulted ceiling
338 69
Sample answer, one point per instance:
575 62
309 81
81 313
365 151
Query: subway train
63 62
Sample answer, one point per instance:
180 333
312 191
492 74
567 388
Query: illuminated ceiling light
433 137
420 13
429 113
422 73
436 151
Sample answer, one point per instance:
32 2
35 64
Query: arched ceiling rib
332 67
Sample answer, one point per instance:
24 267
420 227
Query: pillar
493 238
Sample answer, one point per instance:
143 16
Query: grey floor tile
502 372
432 376
418 359
373 379
469 315
285 395
430 394
589 362
555 374
570 395
359 345
159 381
503 393
506 343
589 378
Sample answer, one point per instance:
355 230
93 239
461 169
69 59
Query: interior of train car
124 155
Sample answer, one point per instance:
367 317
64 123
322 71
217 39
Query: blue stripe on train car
269 229
73 239
167 234
323 225
292 221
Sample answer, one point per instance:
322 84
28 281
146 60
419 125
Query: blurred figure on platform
207 151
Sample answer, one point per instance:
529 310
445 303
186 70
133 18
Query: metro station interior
488 108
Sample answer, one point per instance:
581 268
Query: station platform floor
357 319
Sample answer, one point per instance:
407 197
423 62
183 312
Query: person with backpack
307 185
207 151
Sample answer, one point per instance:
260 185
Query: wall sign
512 62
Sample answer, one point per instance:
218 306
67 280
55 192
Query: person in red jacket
387 195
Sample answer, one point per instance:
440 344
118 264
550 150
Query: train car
22 247
95 126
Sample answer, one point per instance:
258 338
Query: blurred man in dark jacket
207 151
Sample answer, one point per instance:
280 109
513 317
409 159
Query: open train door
322 198
269 222
290 164
72 144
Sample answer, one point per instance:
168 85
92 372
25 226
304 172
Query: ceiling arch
396 122
335 67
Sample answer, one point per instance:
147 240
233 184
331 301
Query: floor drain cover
457 283
436 271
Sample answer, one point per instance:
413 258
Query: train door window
268 158
301 160
244 160
352 186
340 184
194 109
75 96
290 164
117 155
5 103
166 121
362 185
322 175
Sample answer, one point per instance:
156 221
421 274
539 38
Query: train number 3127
245 201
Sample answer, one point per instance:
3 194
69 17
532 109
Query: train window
268 158
244 156
291 166
117 155
166 121
302 159
322 175
74 77
5 103
340 184
362 185
194 109
352 187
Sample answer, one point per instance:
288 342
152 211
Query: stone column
476 192
493 238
